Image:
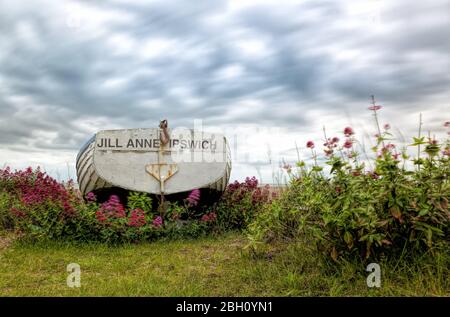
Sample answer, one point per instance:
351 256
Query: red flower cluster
211 217
137 218
348 144
111 209
251 183
389 149
261 195
310 145
237 191
18 213
348 131
91 197
248 184
330 144
374 175
375 107
100 216
157 222
35 188
194 197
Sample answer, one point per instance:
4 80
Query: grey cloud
62 71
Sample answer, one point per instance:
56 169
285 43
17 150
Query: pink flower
100 216
375 108
16 212
387 126
251 183
157 222
91 197
33 187
310 144
348 131
447 124
287 167
356 173
390 146
211 217
113 207
348 144
331 143
194 197
137 218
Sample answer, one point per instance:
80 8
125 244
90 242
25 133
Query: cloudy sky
269 74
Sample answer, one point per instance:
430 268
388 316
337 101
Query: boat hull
136 160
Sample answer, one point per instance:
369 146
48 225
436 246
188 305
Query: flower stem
418 147
376 118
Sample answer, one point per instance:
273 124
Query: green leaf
317 169
423 212
301 164
348 238
418 141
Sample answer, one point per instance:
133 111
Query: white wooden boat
138 160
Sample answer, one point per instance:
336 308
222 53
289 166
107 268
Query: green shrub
36 204
6 217
42 208
137 200
355 212
240 203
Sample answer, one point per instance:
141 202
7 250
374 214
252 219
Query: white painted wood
111 159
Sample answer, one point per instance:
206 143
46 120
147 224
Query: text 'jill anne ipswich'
108 143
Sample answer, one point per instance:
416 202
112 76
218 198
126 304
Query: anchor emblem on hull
161 170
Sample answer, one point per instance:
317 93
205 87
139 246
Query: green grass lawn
204 267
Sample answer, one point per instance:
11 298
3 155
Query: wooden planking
85 175
85 156
86 165
92 183
86 170
85 181
89 180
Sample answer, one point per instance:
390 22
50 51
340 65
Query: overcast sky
270 74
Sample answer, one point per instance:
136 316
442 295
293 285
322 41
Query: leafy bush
41 208
355 211
37 204
240 203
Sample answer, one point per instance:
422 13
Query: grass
214 266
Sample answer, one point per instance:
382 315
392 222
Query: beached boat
157 161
